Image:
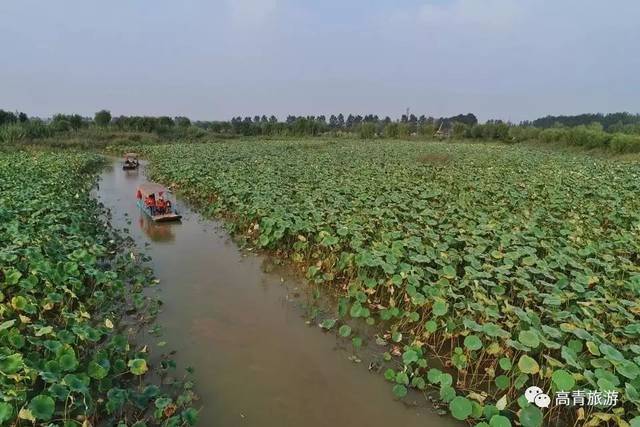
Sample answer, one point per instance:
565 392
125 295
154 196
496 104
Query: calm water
256 361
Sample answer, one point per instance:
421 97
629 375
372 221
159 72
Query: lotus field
66 357
489 268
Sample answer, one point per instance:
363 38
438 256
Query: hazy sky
509 59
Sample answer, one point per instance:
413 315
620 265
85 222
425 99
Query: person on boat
150 202
160 205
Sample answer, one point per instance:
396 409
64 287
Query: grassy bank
515 266
71 297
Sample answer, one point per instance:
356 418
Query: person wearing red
150 202
160 205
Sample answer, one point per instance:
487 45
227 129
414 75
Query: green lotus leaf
6 412
530 416
529 338
472 342
344 331
563 380
460 408
42 407
399 390
499 421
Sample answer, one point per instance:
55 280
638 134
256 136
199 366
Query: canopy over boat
151 188
131 155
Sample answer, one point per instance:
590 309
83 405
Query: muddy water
256 361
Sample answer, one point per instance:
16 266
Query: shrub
587 137
12 133
391 130
426 129
60 125
403 130
459 130
35 129
553 135
523 133
622 143
367 130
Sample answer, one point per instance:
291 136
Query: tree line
612 122
619 132
367 126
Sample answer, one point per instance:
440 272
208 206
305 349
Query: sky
213 60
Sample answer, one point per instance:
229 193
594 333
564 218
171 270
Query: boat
130 161
156 192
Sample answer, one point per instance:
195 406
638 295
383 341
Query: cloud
251 13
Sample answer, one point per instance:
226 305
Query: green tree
102 118
75 121
391 130
459 130
184 122
404 130
367 130
166 122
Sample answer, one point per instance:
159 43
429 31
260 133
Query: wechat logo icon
535 395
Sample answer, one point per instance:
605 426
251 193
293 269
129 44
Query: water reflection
131 173
161 232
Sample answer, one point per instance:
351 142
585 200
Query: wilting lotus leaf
138 366
528 365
